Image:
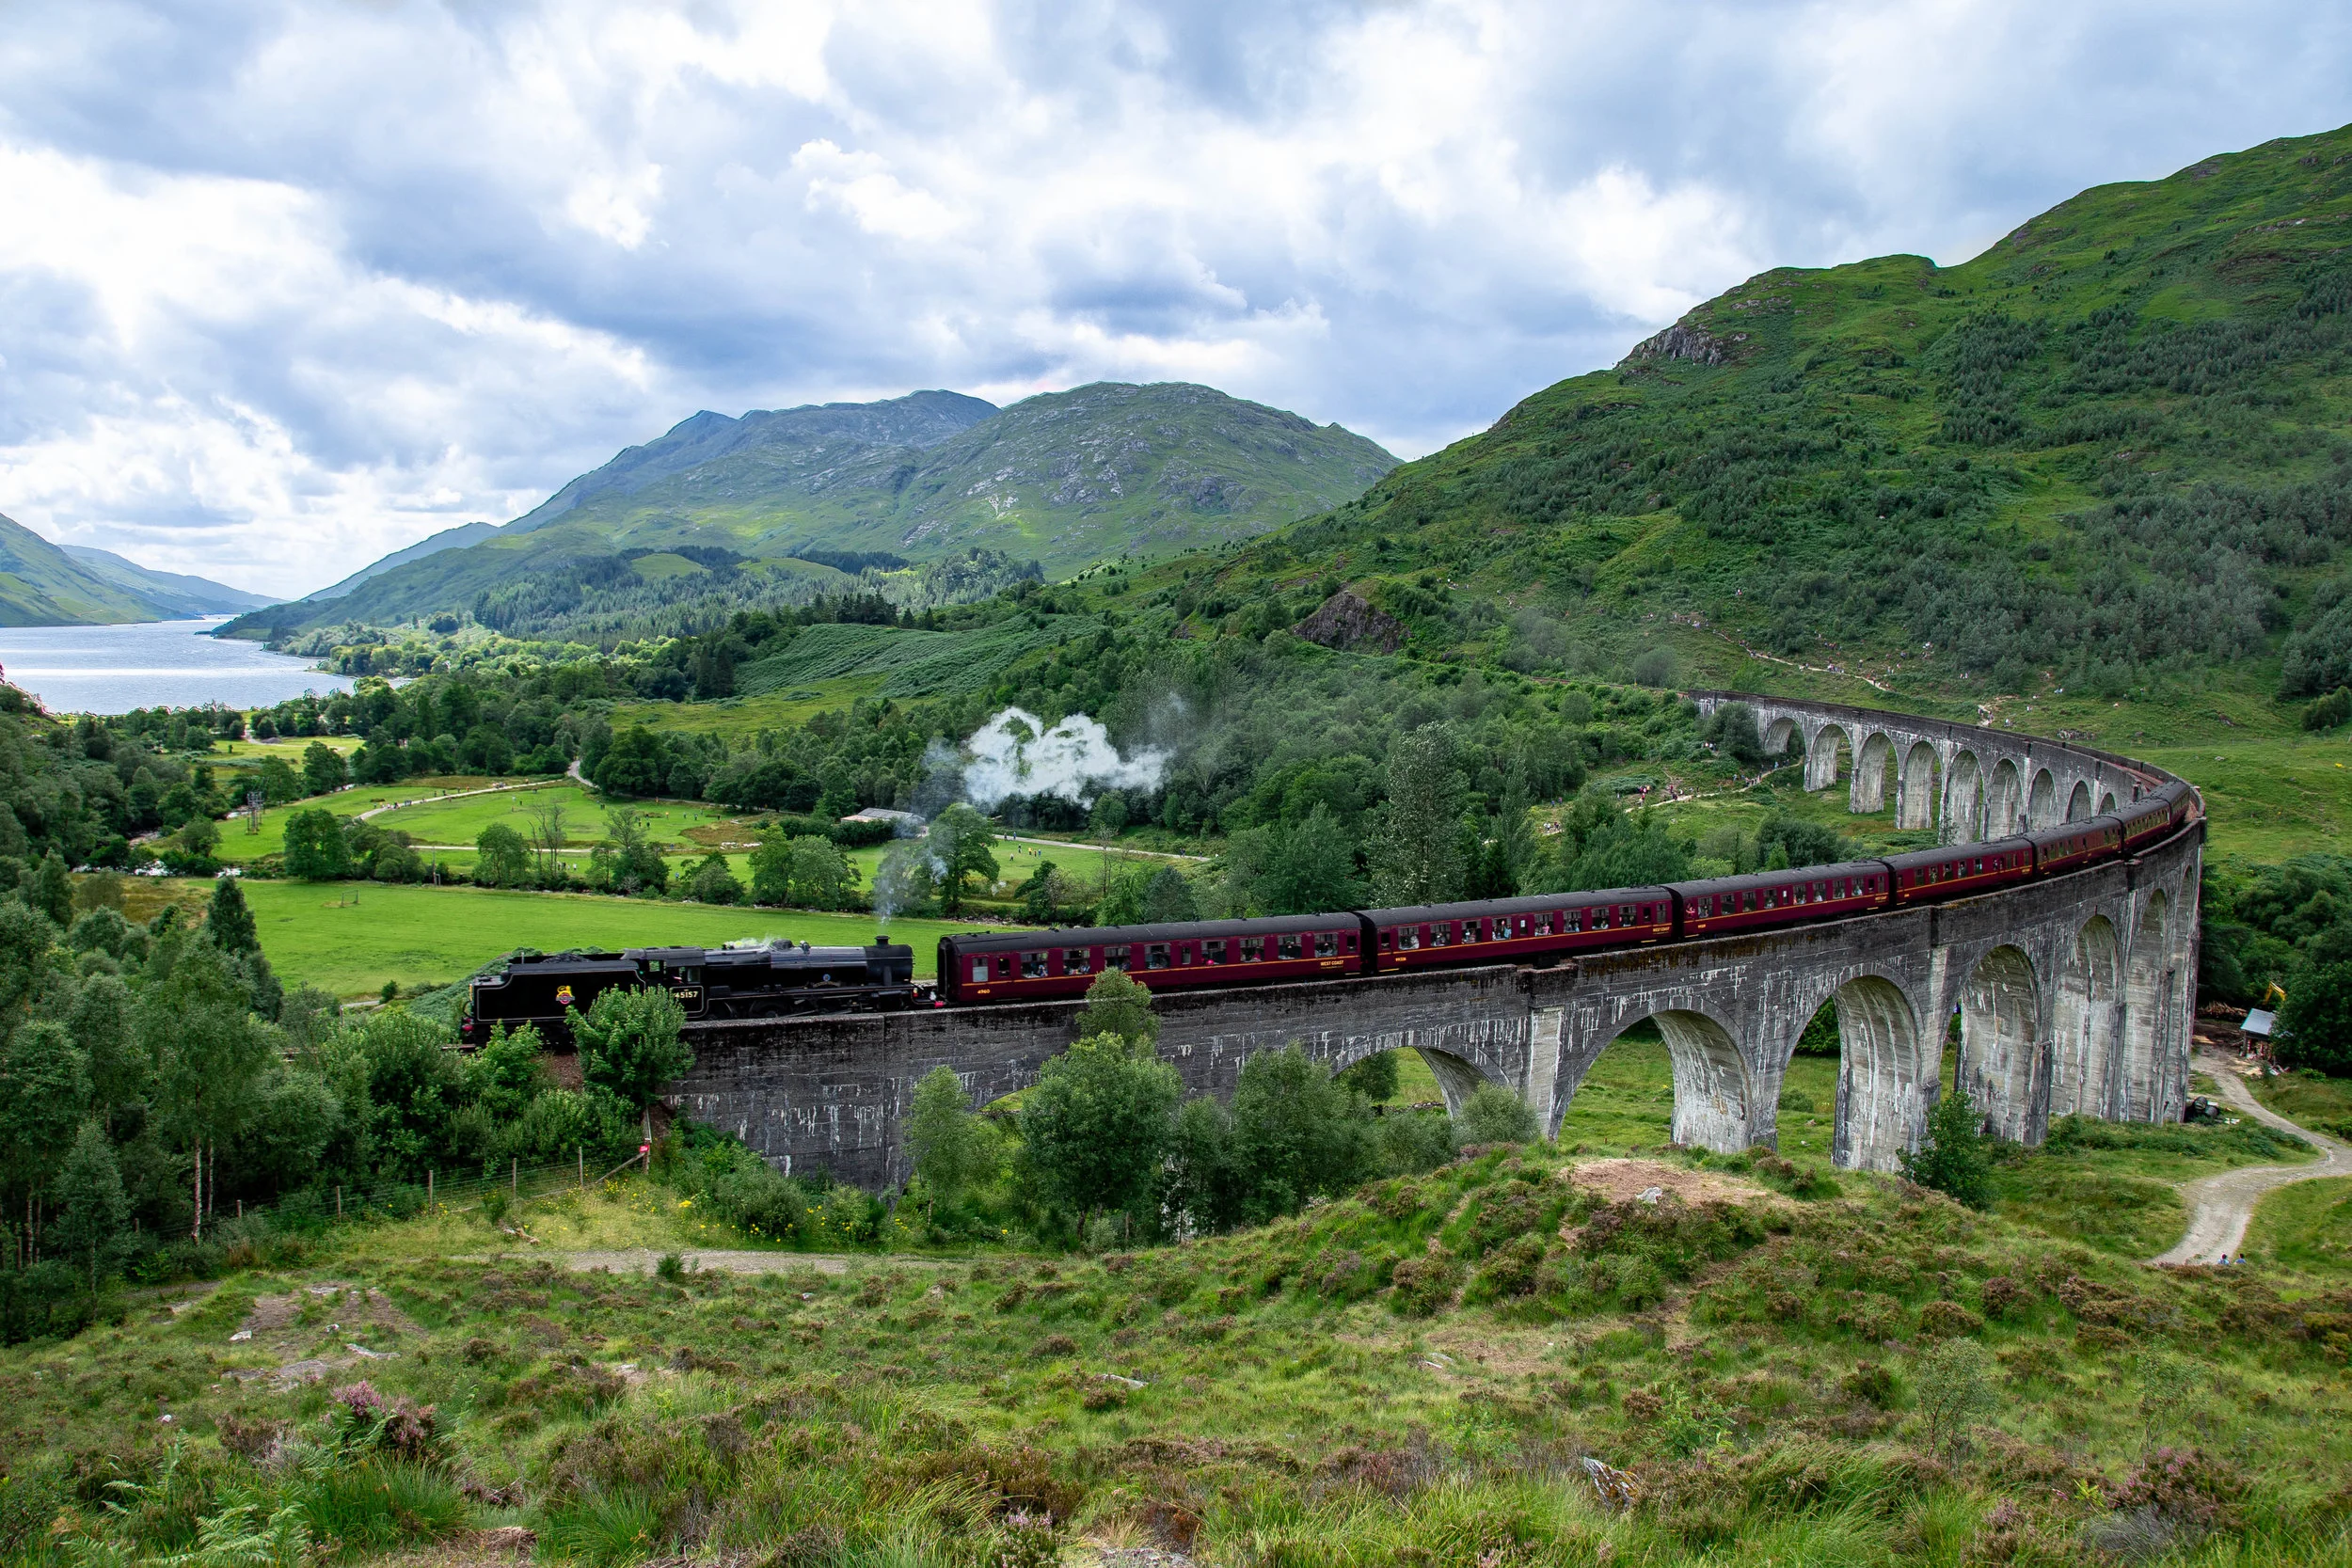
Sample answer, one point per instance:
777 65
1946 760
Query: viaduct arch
2073 993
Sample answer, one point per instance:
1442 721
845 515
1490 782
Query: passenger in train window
1442 934
1118 957
1075 961
1326 944
1033 966
1290 945
1252 949
1213 951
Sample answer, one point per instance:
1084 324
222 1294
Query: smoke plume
1013 753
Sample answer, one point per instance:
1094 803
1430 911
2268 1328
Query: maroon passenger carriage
1723 905
1533 929
1043 965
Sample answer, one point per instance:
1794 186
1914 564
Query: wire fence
451 1194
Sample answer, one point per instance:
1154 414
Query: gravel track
2220 1207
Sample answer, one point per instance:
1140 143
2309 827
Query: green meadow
350 938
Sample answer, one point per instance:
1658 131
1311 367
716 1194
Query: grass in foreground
1411 1375
2306 1227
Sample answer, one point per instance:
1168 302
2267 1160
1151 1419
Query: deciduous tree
315 848
501 857
1416 838
630 1043
951 1147
1096 1124
323 768
93 1222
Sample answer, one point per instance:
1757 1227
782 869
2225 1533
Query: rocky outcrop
1344 621
1681 342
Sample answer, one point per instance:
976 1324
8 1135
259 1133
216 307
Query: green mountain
809 498
2109 453
448 539
180 595
42 585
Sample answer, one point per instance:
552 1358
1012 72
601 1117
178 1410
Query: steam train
1542 929
761 980
778 979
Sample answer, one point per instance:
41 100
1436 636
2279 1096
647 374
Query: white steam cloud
1014 753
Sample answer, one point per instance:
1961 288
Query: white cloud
313 280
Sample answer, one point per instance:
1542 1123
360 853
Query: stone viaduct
2072 994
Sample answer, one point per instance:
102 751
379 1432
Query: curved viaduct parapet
2073 993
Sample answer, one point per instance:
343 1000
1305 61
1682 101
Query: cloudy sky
284 286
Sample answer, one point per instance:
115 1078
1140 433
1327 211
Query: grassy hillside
40 585
177 594
779 506
1412 1374
2105 461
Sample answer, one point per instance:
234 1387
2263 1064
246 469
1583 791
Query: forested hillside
2108 453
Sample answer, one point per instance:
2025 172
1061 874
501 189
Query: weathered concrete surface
2074 994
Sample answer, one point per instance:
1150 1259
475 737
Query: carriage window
1075 961
1820 891
1213 951
1543 923
1442 933
979 969
1326 944
1252 948
1409 937
1117 958
1470 930
1184 953
1350 944
1033 966
1388 939
1004 966
1155 955
1289 944
1625 914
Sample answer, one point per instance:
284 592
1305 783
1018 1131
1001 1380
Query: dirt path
2220 1207
643 1260
453 795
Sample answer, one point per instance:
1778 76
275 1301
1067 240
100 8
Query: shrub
1954 1161
1953 1379
1872 1384
2330 710
1510 1270
1421 1286
1496 1115
1947 1320
2002 1296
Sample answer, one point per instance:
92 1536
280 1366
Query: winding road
2220 1207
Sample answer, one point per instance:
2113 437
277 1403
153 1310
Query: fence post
338 1200
515 1176
580 1153
428 1189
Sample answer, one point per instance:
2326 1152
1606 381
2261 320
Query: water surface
153 664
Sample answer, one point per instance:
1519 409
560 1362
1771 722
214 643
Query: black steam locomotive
763 979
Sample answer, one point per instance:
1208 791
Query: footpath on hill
2220 1207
